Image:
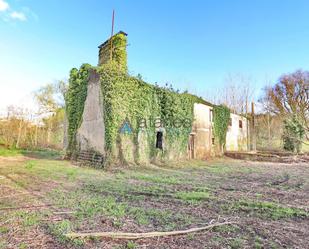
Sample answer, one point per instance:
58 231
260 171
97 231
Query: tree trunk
36 136
49 131
19 133
268 127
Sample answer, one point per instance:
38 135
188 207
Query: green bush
293 134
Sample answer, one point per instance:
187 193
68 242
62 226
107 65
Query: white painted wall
236 138
202 130
202 116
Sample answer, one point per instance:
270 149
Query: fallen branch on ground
121 235
278 182
65 212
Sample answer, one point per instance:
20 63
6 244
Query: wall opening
240 124
159 140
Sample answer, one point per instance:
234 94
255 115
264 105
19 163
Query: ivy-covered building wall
115 117
114 49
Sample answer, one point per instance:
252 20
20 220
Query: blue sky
192 44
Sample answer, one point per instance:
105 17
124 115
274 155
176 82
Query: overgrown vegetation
286 102
145 106
75 100
293 134
119 51
221 117
127 97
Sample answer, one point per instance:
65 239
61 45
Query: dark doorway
159 142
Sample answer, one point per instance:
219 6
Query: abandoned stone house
107 128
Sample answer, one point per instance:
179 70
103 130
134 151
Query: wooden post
268 128
253 133
247 126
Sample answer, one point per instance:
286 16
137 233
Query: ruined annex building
115 117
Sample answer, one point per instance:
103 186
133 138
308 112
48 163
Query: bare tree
236 93
13 128
269 129
289 97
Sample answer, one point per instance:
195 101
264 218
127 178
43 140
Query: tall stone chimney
118 44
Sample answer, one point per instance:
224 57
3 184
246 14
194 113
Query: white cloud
4 5
9 14
18 16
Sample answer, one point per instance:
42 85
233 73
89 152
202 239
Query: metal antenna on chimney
112 33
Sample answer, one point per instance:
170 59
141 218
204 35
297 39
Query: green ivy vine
75 99
128 97
221 117
120 51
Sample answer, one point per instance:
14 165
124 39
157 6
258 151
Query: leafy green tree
50 99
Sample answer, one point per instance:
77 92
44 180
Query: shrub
293 134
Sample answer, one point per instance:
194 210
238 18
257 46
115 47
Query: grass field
43 198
